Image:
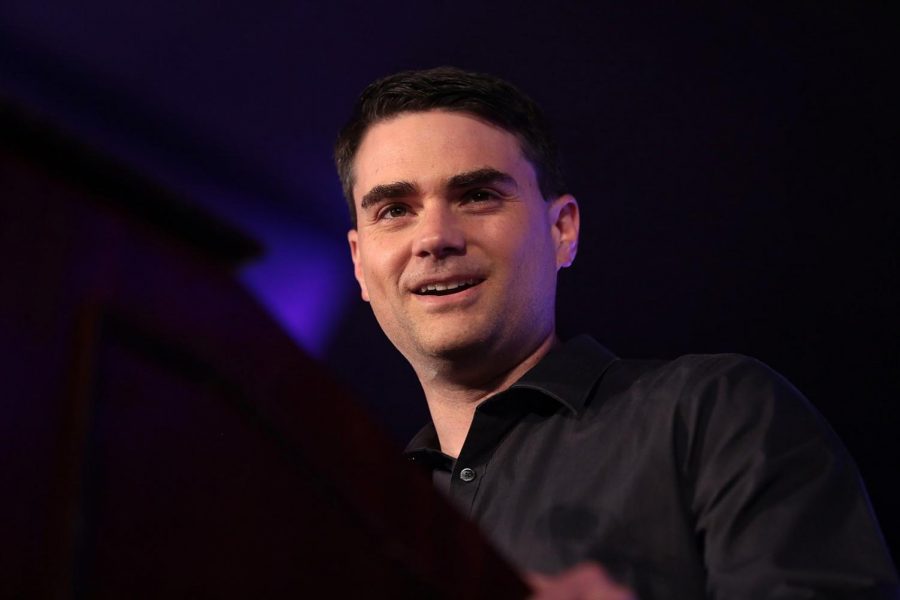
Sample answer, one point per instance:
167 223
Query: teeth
440 287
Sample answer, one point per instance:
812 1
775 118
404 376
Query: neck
453 394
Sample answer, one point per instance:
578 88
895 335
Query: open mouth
447 288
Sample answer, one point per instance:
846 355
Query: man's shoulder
732 382
728 391
584 345
718 394
694 373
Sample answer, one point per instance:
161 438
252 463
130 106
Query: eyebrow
483 176
379 193
402 189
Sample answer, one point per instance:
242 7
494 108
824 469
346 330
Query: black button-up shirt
706 476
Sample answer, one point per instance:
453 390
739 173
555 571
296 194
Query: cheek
382 269
536 265
532 248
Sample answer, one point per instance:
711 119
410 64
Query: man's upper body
703 476
461 223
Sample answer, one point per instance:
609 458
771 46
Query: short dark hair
448 88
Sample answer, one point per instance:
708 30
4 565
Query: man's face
455 247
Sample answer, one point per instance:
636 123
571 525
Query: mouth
447 287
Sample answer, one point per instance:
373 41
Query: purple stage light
304 280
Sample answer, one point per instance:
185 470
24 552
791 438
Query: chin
454 346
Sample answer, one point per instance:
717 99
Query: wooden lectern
161 437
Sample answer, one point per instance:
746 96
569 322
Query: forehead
428 147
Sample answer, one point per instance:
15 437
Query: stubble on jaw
447 384
475 360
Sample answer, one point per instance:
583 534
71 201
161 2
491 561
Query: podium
161 436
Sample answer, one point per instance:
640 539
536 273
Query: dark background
733 165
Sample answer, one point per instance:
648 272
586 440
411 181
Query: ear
353 239
564 224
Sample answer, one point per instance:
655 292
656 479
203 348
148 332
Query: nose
439 232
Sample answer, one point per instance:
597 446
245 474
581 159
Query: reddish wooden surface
162 437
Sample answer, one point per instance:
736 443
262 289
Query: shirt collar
425 439
569 371
566 374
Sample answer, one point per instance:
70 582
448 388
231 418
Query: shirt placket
471 470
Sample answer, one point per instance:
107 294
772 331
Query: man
707 475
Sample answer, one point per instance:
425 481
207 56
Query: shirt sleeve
779 507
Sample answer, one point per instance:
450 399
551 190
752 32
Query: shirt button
467 474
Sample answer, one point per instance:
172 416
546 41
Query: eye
393 211
480 195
